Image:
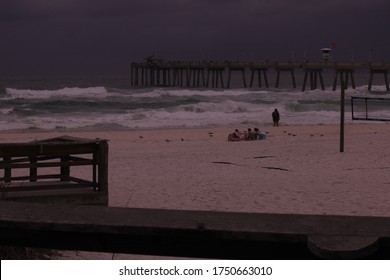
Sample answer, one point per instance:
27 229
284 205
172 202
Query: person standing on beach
276 117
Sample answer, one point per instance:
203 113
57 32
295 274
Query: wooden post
220 73
102 156
387 80
65 168
252 76
379 69
370 80
342 109
236 67
178 76
243 77
259 69
292 71
348 71
94 166
33 169
203 78
285 67
315 74
277 78
216 75
229 76
144 73
7 170
207 78
196 74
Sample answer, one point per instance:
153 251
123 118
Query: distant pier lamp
326 54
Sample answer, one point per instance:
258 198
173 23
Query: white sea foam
96 92
187 92
97 107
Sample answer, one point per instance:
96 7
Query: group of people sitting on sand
247 135
254 134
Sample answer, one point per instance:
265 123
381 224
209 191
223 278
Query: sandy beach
297 169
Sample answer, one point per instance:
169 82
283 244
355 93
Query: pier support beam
195 75
134 72
379 69
259 68
237 67
180 74
163 74
315 73
216 72
285 67
347 70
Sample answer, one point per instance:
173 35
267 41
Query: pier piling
179 74
379 69
216 71
285 67
237 67
196 74
315 73
346 70
260 69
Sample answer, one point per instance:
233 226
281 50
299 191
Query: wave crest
95 92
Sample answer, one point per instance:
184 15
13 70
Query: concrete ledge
194 233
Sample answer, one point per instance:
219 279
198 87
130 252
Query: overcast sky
105 36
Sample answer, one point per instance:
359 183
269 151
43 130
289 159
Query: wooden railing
199 234
42 169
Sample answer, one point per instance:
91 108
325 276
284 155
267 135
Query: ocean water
109 103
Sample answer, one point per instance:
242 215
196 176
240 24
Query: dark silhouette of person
276 117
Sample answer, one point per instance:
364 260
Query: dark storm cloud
43 9
17 9
101 35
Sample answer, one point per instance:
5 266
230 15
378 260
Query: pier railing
219 74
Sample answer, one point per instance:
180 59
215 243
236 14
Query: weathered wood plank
51 153
22 149
43 186
47 164
194 233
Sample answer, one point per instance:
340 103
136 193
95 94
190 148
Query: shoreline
119 128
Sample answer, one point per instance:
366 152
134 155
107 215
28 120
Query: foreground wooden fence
203 234
40 171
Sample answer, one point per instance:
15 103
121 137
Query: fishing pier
209 74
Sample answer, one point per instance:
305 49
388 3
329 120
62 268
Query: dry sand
297 169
